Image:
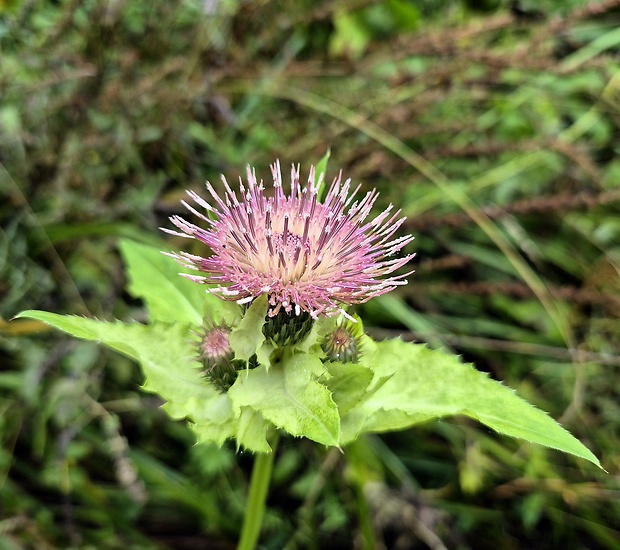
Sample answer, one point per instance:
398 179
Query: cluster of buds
218 358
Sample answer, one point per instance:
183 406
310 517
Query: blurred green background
495 127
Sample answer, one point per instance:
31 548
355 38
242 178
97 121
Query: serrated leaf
248 336
164 351
264 353
252 431
289 396
166 354
154 278
348 383
80 327
216 424
427 384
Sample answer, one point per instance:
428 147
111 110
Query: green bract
395 385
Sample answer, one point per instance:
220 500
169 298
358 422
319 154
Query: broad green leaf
289 396
265 352
348 384
170 297
212 421
88 329
248 336
252 431
166 354
427 384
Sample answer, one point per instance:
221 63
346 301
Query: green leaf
348 384
155 278
406 15
88 329
350 36
212 421
170 297
165 353
290 396
246 339
252 431
428 384
320 328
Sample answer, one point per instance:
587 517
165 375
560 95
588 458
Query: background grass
493 125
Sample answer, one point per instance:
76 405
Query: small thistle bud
217 357
342 344
287 329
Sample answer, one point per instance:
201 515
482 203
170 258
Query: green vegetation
495 130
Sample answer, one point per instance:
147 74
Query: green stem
257 497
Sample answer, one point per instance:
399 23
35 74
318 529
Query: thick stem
257 497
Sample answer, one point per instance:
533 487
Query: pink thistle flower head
308 256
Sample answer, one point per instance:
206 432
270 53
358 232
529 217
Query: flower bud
217 357
286 329
342 344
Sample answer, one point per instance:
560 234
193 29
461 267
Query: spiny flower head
308 256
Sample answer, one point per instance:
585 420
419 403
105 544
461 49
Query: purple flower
306 255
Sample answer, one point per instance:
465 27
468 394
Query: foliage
493 127
291 389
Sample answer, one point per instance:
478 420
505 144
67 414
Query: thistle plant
256 338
